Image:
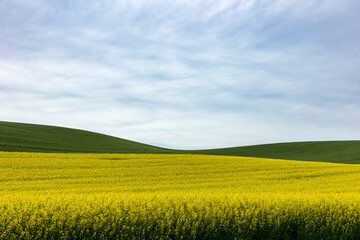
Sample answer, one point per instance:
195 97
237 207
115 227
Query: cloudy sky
184 73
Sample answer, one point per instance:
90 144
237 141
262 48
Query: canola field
179 196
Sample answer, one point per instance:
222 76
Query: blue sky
184 74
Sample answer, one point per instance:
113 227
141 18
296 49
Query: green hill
320 151
41 138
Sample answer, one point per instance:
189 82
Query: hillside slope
321 151
41 138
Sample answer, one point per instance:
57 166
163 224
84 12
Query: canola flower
161 196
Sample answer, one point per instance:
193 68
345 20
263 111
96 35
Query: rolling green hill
41 138
321 151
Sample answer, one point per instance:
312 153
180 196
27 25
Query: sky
184 74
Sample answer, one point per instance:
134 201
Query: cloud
184 74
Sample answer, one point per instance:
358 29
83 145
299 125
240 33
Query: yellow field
154 196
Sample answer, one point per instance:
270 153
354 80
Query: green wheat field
172 194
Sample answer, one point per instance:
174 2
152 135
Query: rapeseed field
180 196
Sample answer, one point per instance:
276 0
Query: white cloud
184 74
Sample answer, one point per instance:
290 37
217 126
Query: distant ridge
319 151
25 137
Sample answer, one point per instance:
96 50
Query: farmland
175 196
24 137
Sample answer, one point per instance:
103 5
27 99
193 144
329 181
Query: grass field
40 138
320 151
175 196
